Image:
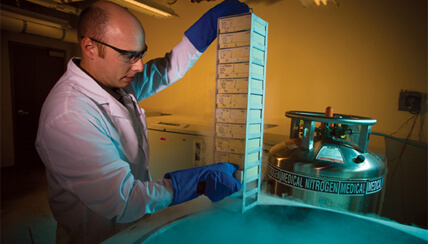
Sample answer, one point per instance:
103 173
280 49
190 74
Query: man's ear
89 48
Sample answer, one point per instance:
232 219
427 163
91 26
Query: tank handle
309 119
336 119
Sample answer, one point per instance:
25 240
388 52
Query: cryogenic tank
326 163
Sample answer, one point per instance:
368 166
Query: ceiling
31 9
40 12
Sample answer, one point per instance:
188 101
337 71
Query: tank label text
374 185
343 187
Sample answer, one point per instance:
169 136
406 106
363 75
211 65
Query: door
34 71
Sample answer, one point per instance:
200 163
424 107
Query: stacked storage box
240 91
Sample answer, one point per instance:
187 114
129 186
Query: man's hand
216 181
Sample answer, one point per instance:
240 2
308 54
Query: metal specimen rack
240 96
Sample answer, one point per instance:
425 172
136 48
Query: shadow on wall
406 184
406 181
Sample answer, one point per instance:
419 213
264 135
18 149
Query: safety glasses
132 56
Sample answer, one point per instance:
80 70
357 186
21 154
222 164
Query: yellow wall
355 57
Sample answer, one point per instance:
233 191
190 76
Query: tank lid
337 118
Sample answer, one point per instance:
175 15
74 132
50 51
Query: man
92 135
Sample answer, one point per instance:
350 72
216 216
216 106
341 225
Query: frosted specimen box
235 23
238 85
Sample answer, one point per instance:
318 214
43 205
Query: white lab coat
96 150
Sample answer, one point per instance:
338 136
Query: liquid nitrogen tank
326 163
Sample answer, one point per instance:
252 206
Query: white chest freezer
178 142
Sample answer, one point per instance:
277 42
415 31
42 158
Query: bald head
104 19
111 37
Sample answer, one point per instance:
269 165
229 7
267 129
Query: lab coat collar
88 86
114 92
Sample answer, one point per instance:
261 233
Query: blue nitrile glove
203 32
216 181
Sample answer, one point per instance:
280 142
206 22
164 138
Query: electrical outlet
410 101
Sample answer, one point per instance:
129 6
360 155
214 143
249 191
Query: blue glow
279 224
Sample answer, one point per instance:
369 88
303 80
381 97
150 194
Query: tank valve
328 113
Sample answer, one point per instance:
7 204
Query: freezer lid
181 124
